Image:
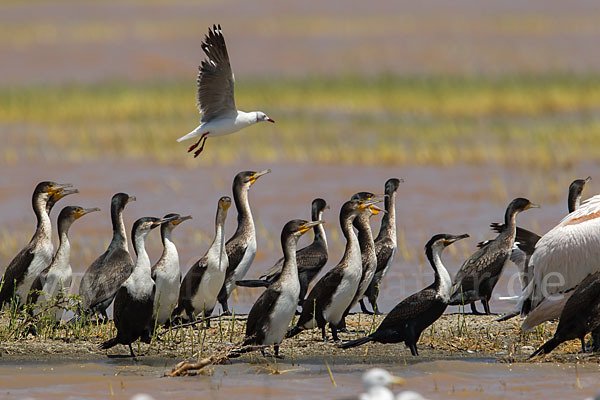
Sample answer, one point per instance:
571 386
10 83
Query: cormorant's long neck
574 200
169 248
43 230
352 245
119 234
442 282
388 222
320 236
244 218
290 268
365 236
217 248
63 253
142 263
510 221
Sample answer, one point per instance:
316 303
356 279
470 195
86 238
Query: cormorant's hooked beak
531 205
63 193
163 221
130 199
309 225
58 188
86 211
456 238
258 175
376 210
179 220
370 203
589 178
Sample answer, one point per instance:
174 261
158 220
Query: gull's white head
377 377
262 117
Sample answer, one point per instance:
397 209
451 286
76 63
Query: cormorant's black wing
526 240
411 307
37 286
258 318
192 280
117 267
483 264
15 272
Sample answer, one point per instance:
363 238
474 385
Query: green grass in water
520 120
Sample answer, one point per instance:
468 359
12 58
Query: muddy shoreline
452 337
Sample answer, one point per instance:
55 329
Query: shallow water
434 379
430 201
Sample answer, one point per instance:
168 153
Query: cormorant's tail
507 316
293 332
547 347
252 283
108 344
355 342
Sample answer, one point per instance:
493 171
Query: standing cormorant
166 273
135 298
385 244
478 275
37 255
580 315
241 247
332 294
526 240
202 283
367 251
310 259
272 313
56 279
414 314
216 101
107 273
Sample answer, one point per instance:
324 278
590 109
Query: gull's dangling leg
197 152
192 147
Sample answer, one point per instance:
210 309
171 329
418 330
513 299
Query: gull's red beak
270 120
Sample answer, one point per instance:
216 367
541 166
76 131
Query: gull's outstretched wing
215 78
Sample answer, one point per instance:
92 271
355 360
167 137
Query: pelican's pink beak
270 120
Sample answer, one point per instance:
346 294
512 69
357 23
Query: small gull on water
216 101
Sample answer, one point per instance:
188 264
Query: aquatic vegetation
515 120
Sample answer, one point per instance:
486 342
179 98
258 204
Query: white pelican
563 258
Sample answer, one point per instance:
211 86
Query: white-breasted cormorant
216 100
271 314
241 247
134 300
477 277
55 280
367 251
202 283
385 244
332 294
414 314
37 255
310 259
107 273
580 315
166 273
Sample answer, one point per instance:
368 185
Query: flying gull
215 95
